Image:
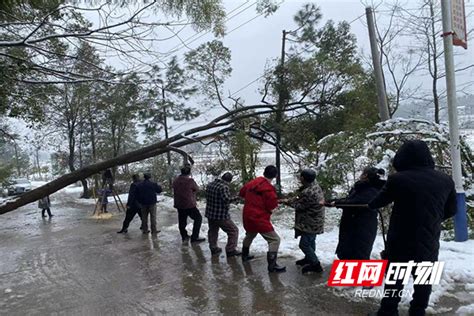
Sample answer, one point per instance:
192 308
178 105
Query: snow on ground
466 310
36 184
72 189
458 257
469 135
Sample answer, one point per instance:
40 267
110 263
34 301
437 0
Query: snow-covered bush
340 157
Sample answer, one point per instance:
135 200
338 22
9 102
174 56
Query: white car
19 186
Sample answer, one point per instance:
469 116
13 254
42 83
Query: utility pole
165 126
279 113
381 95
460 219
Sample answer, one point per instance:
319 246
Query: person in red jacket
260 201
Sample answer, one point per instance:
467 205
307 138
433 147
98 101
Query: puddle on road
72 265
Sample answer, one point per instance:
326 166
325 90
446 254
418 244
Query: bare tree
129 35
399 63
404 65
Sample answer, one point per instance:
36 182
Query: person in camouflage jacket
309 219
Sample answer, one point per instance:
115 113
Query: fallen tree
214 128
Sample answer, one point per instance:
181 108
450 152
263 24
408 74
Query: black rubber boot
272 263
233 253
216 251
383 313
197 240
245 254
302 262
312 267
416 311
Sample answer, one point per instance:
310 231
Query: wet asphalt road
73 264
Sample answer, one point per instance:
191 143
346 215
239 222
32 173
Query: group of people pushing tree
422 198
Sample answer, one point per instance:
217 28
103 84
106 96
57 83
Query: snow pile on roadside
36 184
72 189
458 269
466 310
458 257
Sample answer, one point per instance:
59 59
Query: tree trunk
77 175
38 163
71 155
93 146
219 125
17 159
435 64
81 162
85 189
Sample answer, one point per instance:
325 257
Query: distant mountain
425 111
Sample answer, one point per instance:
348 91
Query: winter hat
413 154
227 177
373 173
147 175
309 175
186 170
270 172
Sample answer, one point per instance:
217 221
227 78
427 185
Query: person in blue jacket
146 196
133 207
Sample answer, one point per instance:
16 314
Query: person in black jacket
108 178
146 196
358 226
133 207
422 199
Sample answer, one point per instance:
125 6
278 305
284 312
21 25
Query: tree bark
93 143
83 173
435 64
219 126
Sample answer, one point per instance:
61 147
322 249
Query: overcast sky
254 40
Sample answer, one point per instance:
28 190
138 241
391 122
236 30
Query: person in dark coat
260 201
358 226
184 193
146 196
422 199
133 207
309 219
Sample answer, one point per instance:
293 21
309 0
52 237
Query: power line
297 54
191 39
233 30
247 85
